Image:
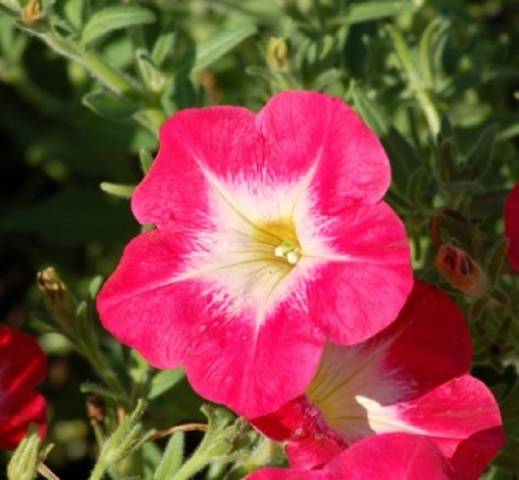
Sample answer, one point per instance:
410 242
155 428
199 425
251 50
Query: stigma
288 251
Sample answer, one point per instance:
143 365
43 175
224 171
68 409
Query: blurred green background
404 65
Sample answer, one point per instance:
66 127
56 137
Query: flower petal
310 442
378 386
177 319
432 341
23 363
22 367
361 289
512 226
310 130
391 457
386 457
195 143
17 412
463 419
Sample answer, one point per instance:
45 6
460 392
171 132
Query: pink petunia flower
512 226
411 378
23 366
270 237
391 456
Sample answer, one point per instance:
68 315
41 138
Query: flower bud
460 270
32 12
26 458
277 54
57 297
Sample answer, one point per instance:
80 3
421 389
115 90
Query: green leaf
172 459
508 458
327 78
446 161
152 77
369 112
211 50
165 380
115 18
109 105
480 158
404 158
11 5
366 11
75 12
163 47
117 189
94 286
496 258
145 159
405 56
417 181
432 44
74 216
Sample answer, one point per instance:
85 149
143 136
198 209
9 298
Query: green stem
99 471
416 83
103 370
151 118
428 109
197 462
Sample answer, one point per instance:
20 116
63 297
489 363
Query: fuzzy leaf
165 380
163 47
172 458
211 50
117 189
365 11
108 105
115 18
480 158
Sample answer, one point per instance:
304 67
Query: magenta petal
362 292
310 129
289 474
385 457
222 140
433 343
309 441
512 226
229 357
410 378
463 419
391 457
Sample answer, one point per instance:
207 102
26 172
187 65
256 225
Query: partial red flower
393 456
512 226
411 378
23 366
271 236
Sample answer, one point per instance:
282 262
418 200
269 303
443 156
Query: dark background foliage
437 79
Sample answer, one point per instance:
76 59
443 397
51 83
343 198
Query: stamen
288 251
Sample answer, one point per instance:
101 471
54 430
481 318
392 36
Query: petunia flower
391 456
271 237
23 366
512 226
411 378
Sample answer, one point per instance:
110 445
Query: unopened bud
26 458
32 12
95 408
277 54
57 297
460 270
